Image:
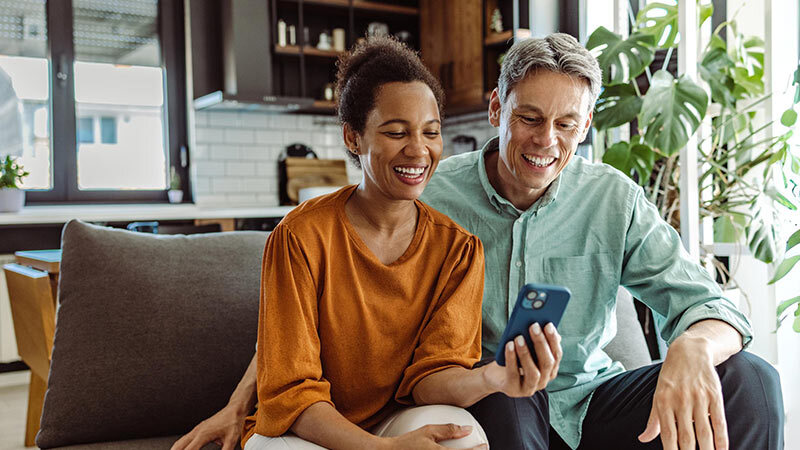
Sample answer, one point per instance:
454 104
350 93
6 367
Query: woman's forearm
321 424
244 397
454 386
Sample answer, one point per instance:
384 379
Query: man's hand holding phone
521 376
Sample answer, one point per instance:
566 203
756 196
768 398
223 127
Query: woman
367 293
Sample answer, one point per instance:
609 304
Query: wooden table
33 291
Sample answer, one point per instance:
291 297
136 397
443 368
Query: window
113 68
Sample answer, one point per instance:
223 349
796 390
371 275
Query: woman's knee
411 419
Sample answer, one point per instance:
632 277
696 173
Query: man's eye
529 120
566 126
394 134
432 133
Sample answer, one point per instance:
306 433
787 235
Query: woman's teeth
539 162
409 172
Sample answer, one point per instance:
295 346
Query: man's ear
350 137
494 108
587 126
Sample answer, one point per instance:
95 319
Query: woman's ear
351 139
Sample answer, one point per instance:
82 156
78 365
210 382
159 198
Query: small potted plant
175 192
12 198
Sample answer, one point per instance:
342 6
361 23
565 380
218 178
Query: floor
14 398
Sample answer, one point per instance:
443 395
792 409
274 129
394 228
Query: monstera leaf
621 60
616 106
715 69
661 21
672 111
633 157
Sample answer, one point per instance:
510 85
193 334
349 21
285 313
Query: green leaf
780 198
789 117
714 69
796 165
659 20
787 303
672 111
794 239
761 241
621 60
706 11
616 106
746 83
631 158
784 267
796 325
727 229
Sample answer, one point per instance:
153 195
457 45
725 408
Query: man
545 216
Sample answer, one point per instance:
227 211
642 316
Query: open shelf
498 38
363 5
307 50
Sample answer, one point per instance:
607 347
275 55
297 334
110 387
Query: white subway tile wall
235 158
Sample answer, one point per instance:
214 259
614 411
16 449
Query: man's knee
750 381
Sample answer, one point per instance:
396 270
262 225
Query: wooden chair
33 296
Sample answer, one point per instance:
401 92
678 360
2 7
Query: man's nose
545 135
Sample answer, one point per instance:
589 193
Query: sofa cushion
153 332
135 444
628 346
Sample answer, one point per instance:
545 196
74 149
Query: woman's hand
223 428
521 377
429 436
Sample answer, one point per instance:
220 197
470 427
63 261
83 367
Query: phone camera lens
538 304
532 295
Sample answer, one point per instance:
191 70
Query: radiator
8 343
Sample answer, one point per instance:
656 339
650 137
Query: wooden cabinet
452 49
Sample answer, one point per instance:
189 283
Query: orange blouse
336 325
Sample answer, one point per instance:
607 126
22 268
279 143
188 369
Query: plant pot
175 195
11 200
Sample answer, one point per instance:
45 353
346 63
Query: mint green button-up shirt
592 231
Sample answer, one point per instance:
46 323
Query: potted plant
12 198
175 192
737 166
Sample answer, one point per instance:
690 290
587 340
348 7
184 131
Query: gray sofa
153 333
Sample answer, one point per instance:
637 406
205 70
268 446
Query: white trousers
401 422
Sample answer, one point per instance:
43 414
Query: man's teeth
539 162
411 172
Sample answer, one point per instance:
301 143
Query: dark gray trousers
620 407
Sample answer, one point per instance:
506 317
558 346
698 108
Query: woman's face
401 143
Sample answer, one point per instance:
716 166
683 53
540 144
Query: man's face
541 123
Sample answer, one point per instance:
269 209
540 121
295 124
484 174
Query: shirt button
518 263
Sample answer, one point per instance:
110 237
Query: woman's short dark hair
368 66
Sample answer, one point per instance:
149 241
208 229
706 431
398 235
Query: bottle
281 33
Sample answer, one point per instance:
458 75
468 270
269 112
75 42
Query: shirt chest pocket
593 280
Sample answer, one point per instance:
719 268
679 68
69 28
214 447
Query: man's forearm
244 397
454 386
722 339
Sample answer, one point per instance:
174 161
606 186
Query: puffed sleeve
657 270
452 336
288 350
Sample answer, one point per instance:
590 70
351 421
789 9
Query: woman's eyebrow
405 122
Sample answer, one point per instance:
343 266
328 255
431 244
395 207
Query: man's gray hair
559 53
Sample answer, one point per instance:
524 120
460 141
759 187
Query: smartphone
540 303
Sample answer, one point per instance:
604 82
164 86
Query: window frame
63 124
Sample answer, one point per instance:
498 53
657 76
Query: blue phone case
540 303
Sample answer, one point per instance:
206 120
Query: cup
338 39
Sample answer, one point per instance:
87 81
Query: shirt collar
497 200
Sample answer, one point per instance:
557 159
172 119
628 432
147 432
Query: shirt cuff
720 309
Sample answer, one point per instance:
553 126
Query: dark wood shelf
307 50
498 38
363 5
385 7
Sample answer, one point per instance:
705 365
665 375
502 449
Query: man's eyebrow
535 109
405 122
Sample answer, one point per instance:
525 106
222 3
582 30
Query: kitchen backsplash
235 156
